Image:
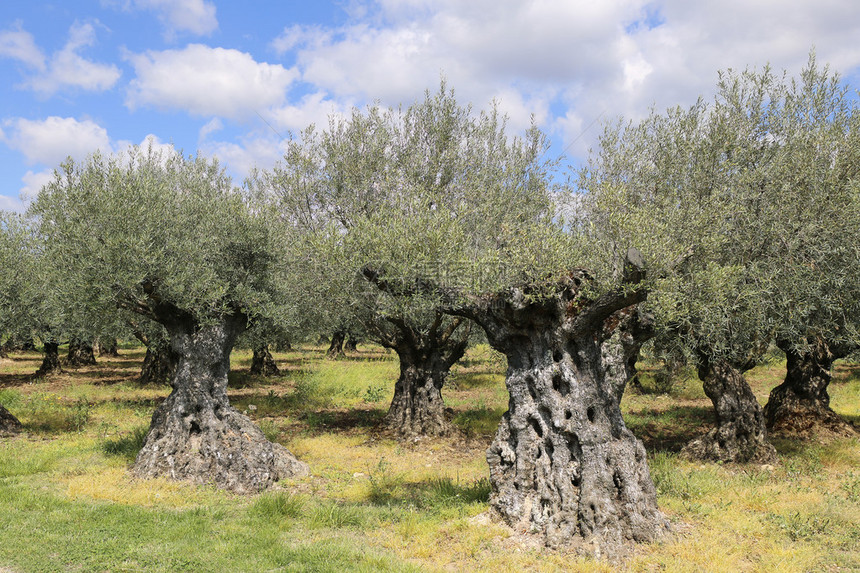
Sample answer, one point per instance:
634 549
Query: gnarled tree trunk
262 363
351 344
195 434
801 402
562 463
426 357
335 349
9 424
80 353
51 361
109 349
740 434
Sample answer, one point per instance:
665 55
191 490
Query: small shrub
278 505
335 516
374 394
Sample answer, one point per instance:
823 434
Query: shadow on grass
668 430
480 421
126 446
325 420
391 489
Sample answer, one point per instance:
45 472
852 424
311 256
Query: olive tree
351 186
171 239
737 189
16 320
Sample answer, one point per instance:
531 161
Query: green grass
67 501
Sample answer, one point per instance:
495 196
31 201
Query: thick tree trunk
9 424
159 365
262 363
51 361
630 328
335 349
562 463
195 434
351 344
740 435
417 408
801 403
109 349
80 353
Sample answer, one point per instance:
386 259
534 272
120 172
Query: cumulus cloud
18 44
50 141
192 16
240 158
214 82
567 61
67 68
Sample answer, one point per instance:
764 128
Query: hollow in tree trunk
195 434
51 360
80 353
801 403
740 435
335 349
563 464
262 363
9 424
426 357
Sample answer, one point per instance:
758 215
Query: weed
335 515
800 527
271 430
278 505
374 394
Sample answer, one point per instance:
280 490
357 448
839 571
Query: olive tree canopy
170 238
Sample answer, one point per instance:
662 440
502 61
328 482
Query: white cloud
19 45
568 61
241 158
214 82
211 126
12 204
314 108
33 183
52 140
67 68
192 16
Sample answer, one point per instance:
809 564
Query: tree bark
195 434
159 365
9 424
335 349
629 329
109 349
563 464
51 361
426 357
262 363
740 435
801 403
351 344
80 353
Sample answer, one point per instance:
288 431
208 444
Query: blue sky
230 78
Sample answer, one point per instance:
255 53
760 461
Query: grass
68 502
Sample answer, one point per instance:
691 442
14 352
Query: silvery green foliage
745 208
148 226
